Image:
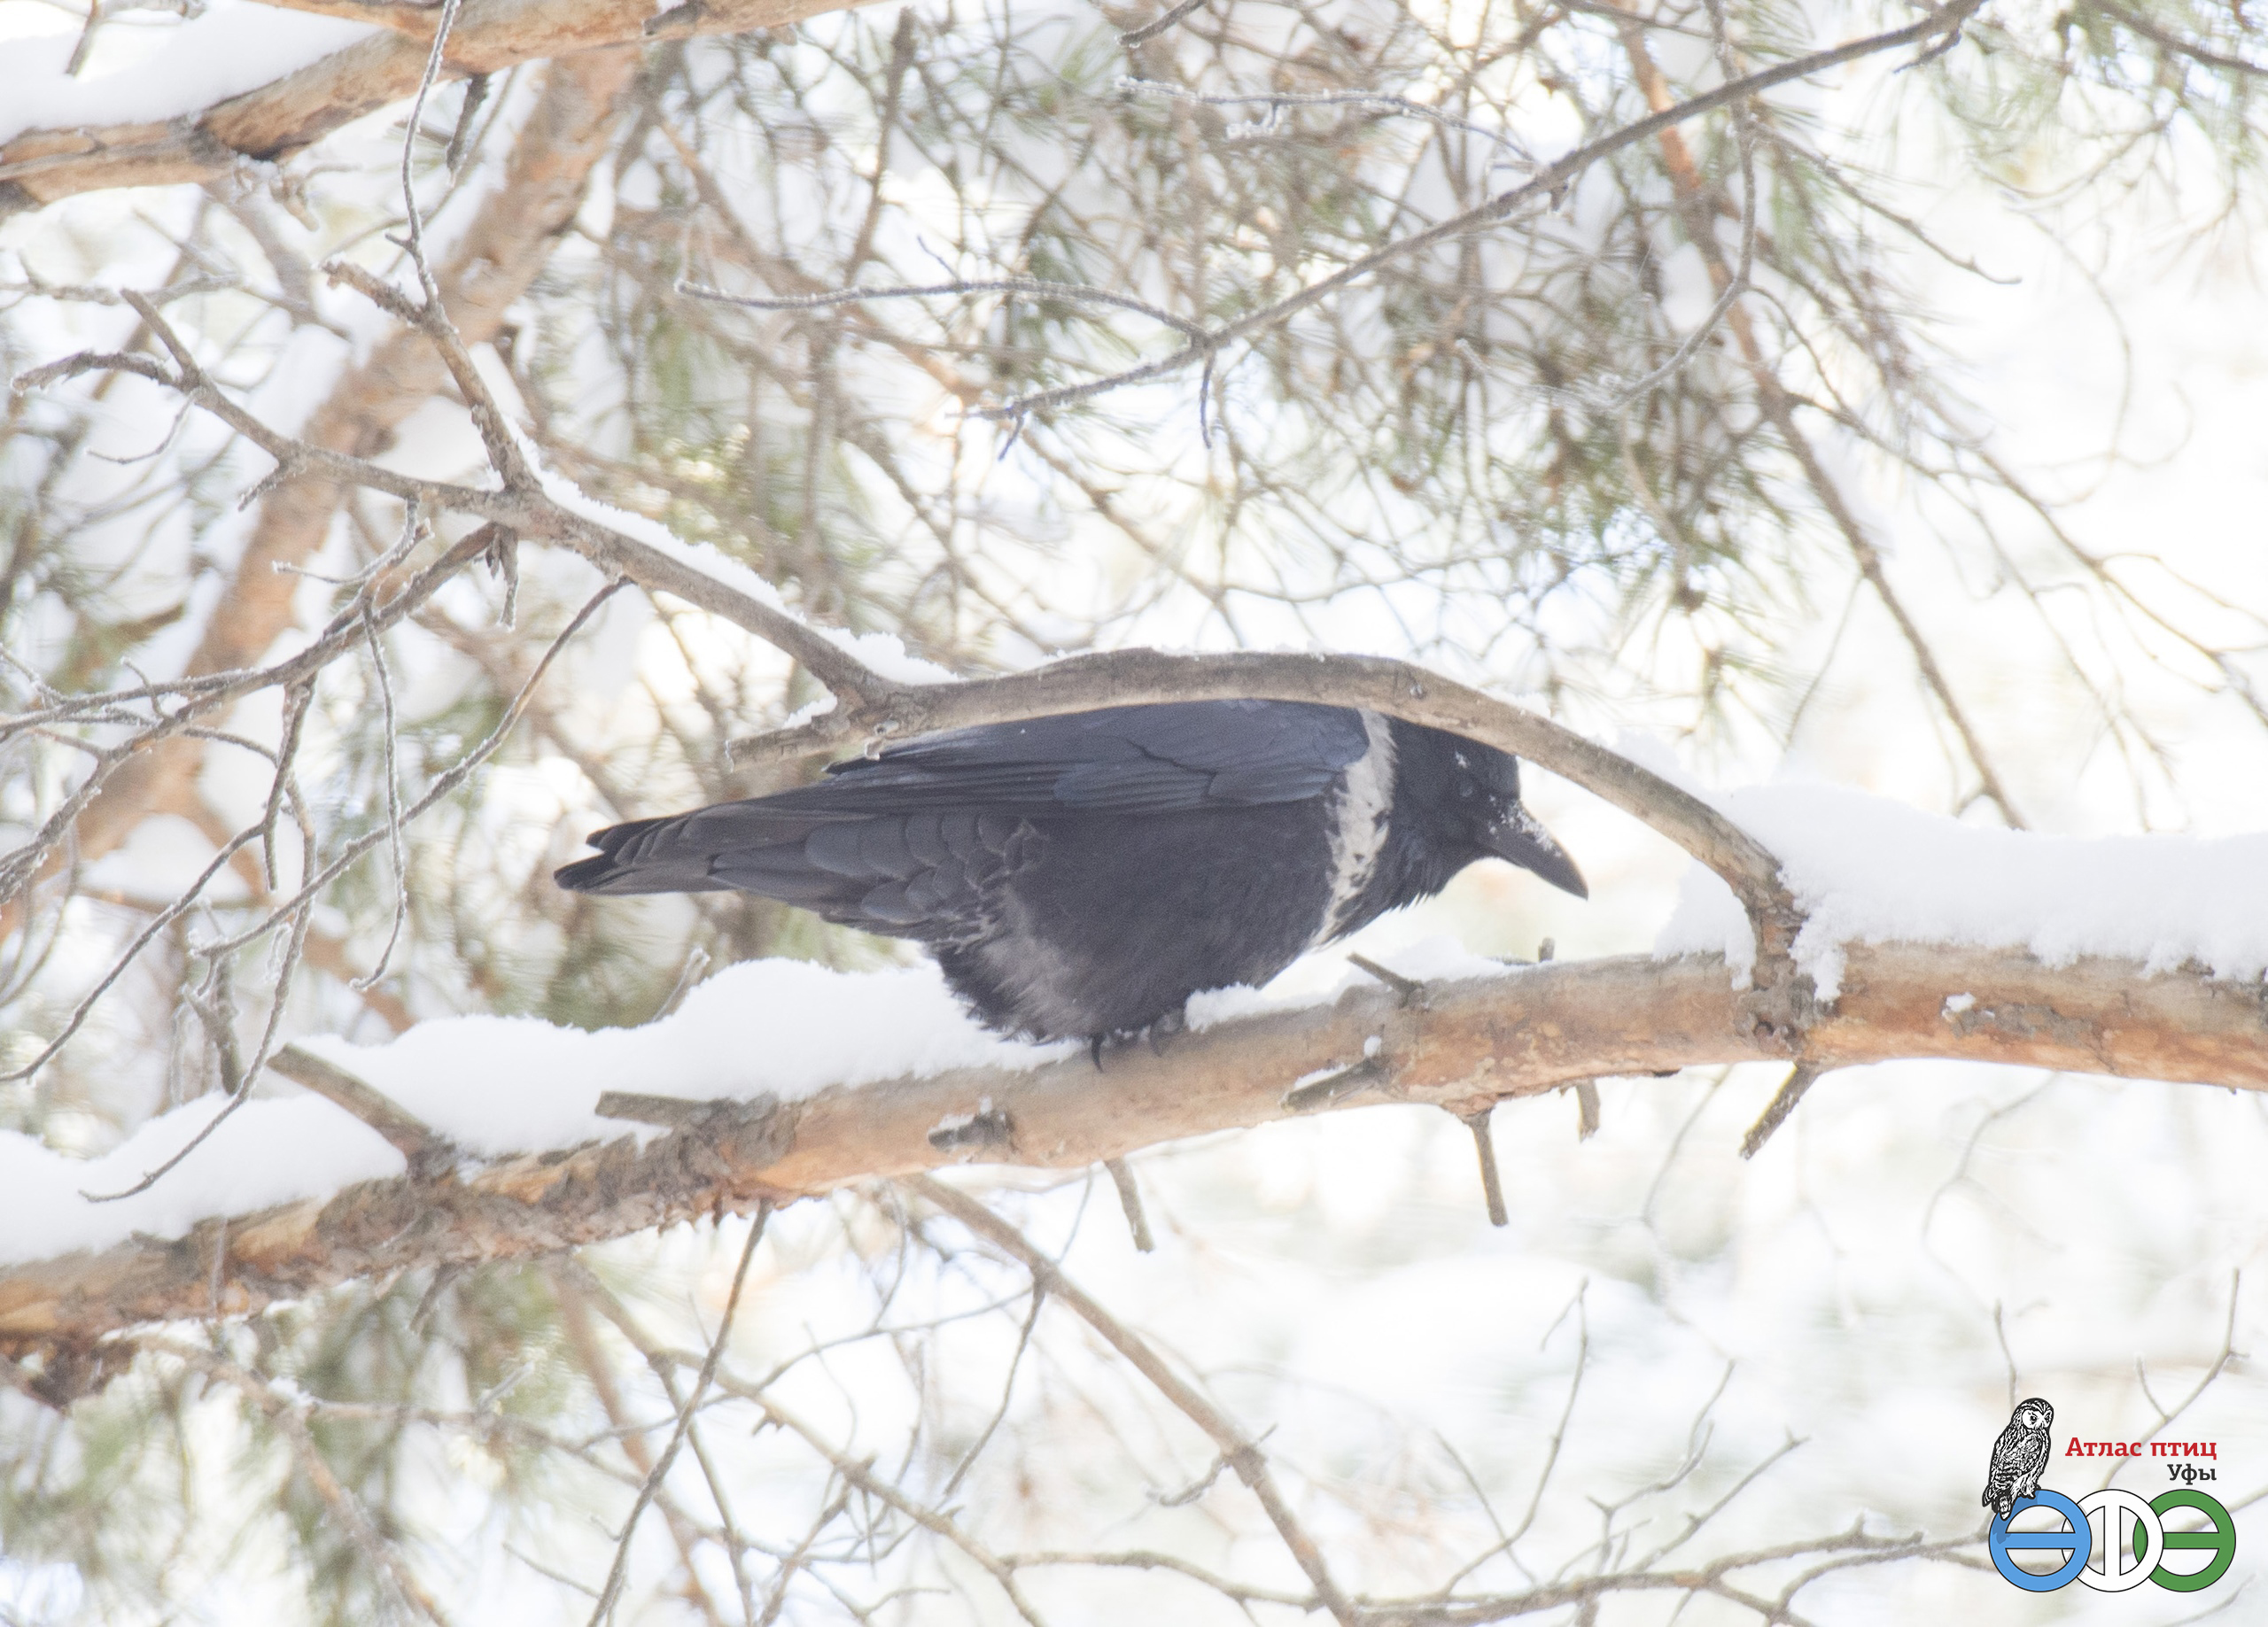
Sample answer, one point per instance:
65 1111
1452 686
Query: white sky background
1340 1279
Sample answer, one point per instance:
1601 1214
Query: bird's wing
1129 759
920 875
2032 1457
917 842
2002 1471
931 876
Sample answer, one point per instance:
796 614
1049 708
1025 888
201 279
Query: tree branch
408 1135
274 121
1523 1033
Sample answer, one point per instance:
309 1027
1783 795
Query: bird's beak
1519 837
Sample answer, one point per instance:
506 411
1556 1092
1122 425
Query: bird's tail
628 863
747 846
681 852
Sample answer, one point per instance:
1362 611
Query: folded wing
919 841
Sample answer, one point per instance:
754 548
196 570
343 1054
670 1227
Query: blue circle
2080 1541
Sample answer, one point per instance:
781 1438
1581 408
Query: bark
1458 1046
278 119
544 182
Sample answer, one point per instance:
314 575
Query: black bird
1083 875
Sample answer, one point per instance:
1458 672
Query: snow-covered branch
543 1173
306 103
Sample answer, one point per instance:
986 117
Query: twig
416 243
1242 1454
696 968
1158 25
1007 1391
1310 1095
1800 1079
1130 1199
476 92
409 1135
1585 1108
389 737
2228 1354
1492 1186
608 1595
1510 1540
1410 989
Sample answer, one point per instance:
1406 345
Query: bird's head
1473 793
2035 1414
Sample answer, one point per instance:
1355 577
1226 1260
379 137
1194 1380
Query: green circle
2221 1538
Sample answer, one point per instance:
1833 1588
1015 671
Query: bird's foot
1155 1036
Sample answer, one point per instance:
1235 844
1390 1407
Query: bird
2019 1457
1079 876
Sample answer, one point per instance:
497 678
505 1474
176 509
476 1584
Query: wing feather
1130 759
916 842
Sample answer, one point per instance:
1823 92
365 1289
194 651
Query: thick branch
40 167
1519 1035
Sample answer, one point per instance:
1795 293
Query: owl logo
2019 1456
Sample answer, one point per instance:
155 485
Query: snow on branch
294 1195
101 140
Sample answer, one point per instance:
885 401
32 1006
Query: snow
787 1028
232 49
1319 980
269 1151
503 1085
1867 870
499 1086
